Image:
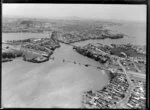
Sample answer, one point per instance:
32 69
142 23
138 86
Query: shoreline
110 75
57 41
46 67
87 39
123 93
35 57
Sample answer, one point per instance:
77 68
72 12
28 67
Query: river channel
55 83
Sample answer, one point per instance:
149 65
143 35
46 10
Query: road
131 85
130 88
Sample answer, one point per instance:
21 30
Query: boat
86 65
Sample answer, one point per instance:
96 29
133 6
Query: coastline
35 57
118 76
88 39
57 40
70 43
52 80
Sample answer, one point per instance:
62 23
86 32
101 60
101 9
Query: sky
90 11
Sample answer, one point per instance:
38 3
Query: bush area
128 51
11 54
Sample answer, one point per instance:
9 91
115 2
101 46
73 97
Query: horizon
135 13
72 18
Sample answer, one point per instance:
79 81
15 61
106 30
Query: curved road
130 88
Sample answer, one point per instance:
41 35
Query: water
51 84
21 36
136 32
55 83
136 35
